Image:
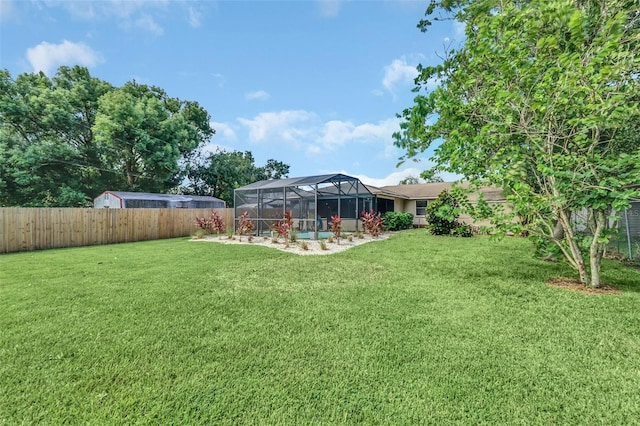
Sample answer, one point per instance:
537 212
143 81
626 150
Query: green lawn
413 329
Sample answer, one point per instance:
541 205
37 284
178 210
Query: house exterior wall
420 221
406 196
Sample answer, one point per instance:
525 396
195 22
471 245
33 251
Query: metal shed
312 200
136 200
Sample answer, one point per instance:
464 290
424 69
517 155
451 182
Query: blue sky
316 84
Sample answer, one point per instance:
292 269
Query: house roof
426 191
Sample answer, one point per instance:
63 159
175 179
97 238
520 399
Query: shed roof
151 196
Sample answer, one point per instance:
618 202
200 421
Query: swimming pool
310 235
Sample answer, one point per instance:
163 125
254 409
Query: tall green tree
49 156
65 139
538 100
221 172
147 136
273 169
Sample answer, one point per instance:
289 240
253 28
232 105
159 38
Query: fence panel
627 240
25 229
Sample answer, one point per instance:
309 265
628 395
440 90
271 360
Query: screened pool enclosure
312 201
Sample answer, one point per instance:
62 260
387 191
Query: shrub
283 227
372 222
245 226
282 230
462 230
442 214
336 226
323 245
304 246
211 225
397 221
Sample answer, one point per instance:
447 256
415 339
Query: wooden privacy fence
24 229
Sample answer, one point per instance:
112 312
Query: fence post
626 224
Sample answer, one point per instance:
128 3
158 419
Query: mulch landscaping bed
574 284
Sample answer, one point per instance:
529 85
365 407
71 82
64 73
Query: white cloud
83 10
7 10
314 150
195 17
147 23
398 73
459 30
46 57
260 95
123 9
300 128
394 178
383 130
212 148
328 8
282 126
129 13
223 129
336 133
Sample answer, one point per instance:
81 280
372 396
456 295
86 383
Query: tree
410 180
430 176
222 172
537 101
272 170
49 156
145 134
66 139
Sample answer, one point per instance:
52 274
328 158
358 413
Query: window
421 207
385 205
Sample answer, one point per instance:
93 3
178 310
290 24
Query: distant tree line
221 172
64 140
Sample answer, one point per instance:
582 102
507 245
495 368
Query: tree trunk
576 260
558 231
596 249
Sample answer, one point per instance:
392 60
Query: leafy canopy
538 100
65 139
221 172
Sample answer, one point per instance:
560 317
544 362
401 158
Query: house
415 198
130 200
313 200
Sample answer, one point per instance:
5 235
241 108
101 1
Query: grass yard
411 330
